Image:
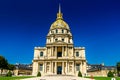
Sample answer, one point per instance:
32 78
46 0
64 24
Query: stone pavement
58 77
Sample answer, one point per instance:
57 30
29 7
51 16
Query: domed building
59 56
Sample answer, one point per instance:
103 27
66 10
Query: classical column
52 51
45 67
63 68
51 67
73 67
84 67
66 68
62 51
66 51
35 68
55 51
55 67
81 67
46 52
72 52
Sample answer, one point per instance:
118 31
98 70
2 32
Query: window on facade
56 39
56 31
62 31
41 54
77 67
77 54
68 41
63 40
67 31
41 67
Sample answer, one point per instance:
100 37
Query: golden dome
59 23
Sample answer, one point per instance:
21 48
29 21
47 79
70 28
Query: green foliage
118 68
104 78
9 74
14 78
11 67
3 63
110 74
79 74
39 74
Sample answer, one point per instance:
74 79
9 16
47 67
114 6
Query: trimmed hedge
79 74
110 74
39 74
9 74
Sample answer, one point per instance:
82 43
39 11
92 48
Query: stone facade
59 56
99 70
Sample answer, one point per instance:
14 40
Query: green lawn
104 78
14 78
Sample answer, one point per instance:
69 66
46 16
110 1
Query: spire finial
59 14
59 8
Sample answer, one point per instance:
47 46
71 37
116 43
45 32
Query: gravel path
57 78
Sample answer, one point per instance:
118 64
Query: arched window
63 40
41 54
67 31
56 39
56 31
77 54
51 31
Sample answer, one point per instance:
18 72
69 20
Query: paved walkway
57 78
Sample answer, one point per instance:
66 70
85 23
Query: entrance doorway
59 70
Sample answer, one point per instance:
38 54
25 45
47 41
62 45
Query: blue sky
95 24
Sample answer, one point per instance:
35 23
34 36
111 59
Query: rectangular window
41 67
77 67
62 31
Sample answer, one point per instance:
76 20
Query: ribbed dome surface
59 23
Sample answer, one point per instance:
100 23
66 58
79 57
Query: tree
79 74
3 64
118 68
11 67
110 74
39 74
9 74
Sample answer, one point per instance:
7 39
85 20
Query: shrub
39 74
110 74
9 74
79 74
